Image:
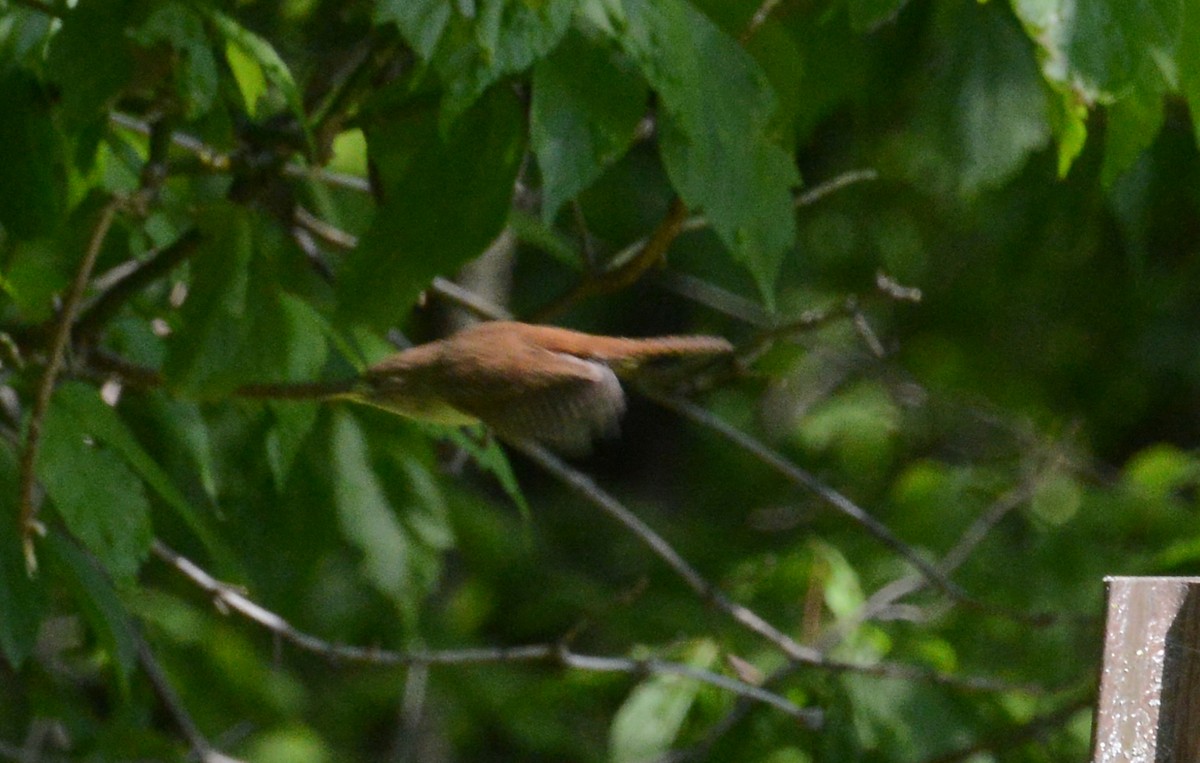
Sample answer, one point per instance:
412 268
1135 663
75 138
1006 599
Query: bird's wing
566 403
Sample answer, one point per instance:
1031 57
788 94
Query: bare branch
841 503
833 185
646 253
585 486
216 161
588 489
228 597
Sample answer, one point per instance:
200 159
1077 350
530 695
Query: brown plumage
540 382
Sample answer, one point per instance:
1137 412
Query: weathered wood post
1149 708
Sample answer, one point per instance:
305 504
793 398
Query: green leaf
36 272
82 404
866 15
651 717
22 599
502 37
292 422
1057 498
842 587
444 198
33 194
984 112
1189 63
1162 470
1133 124
181 422
90 58
585 110
249 76
270 66
1101 47
101 501
421 22
388 508
239 323
97 600
489 456
1068 120
367 518
24 35
716 109
180 27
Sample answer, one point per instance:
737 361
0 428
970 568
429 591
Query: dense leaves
787 175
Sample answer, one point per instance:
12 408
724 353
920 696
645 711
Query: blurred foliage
1034 173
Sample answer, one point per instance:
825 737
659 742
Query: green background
1031 421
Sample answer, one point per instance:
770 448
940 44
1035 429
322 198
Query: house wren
543 383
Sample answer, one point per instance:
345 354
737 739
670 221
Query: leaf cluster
208 207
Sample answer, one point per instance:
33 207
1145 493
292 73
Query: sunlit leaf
272 68
651 717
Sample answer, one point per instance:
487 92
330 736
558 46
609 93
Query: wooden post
1149 708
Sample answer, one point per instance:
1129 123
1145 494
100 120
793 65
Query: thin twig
1014 737
209 157
218 161
167 695
700 222
757 20
227 596
648 252
588 488
41 403
142 377
468 300
327 232
594 494
96 315
837 500
833 185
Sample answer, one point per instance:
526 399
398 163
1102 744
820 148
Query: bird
555 386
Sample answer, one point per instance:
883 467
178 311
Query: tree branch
228 597
101 311
844 505
29 525
589 490
649 252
